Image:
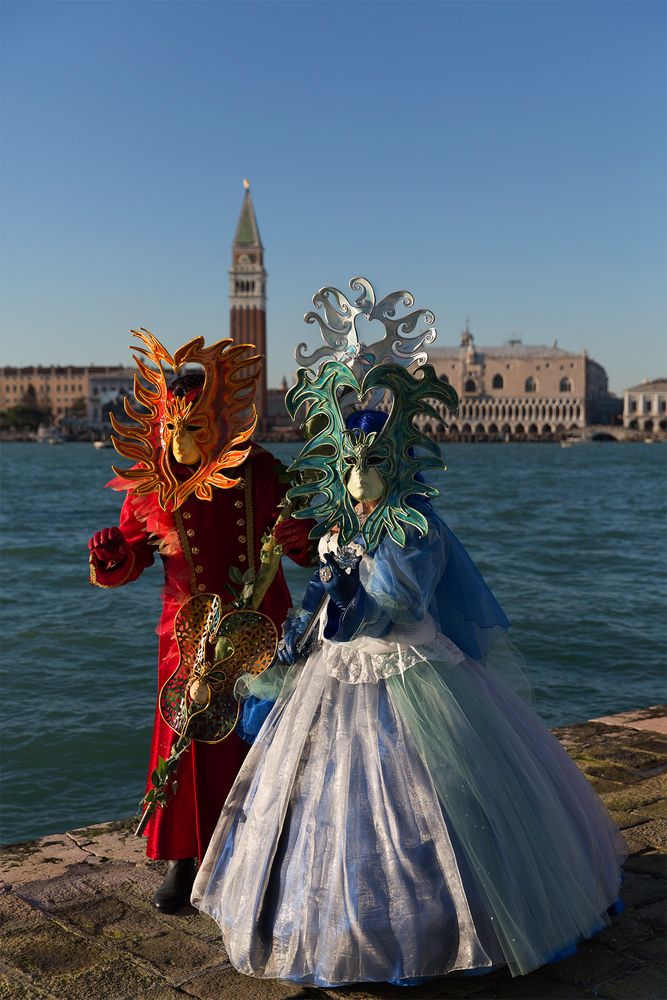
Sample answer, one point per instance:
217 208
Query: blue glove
293 629
342 586
252 717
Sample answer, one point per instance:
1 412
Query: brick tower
247 291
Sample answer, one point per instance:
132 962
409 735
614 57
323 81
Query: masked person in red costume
201 495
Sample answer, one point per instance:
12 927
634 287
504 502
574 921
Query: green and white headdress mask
391 374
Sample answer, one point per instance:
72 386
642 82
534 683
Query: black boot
175 891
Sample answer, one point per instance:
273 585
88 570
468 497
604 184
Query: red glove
108 547
292 534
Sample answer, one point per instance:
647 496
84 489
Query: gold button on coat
195 550
199 569
190 532
242 538
202 586
242 558
241 522
186 515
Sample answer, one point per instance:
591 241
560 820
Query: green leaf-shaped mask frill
397 453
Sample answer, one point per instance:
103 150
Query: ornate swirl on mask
403 341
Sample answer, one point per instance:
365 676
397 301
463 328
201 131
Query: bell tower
247 291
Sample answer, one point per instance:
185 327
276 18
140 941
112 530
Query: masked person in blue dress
403 813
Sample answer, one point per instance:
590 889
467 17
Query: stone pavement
75 921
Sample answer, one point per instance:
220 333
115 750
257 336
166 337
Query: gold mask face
208 428
180 432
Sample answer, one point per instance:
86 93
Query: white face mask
366 484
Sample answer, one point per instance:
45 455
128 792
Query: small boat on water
49 435
568 442
102 444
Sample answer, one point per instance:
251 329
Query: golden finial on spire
246 183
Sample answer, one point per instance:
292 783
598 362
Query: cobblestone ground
76 922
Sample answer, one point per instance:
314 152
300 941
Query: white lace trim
350 664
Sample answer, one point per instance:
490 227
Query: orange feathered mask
222 410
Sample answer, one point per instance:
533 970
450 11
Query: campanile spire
247 290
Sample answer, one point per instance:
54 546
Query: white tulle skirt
402 814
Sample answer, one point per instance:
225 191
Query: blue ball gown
403 813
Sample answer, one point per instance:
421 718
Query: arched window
497 382
565 385
470 385
530 384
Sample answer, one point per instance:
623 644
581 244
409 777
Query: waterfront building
107 389
247 293
645 406
518 391
64 391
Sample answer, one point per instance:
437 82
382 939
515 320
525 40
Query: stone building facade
64 390
520 392
645 406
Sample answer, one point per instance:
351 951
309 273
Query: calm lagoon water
572 540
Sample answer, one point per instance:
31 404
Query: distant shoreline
637 437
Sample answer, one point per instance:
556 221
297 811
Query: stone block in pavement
45 953
45 858
655 914
650 833
535 986
625 819
228 983
176 956
643 718
639 890
121 979
654 949
625 931
646 983
657 809
113 841
648 863
586 734
191 921
119 919
16 914
77 881
645 792
624 764
592 965
12 987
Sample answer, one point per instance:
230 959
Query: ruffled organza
409 826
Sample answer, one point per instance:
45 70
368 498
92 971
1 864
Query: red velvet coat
198 545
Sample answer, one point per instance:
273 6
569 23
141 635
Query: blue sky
505 161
